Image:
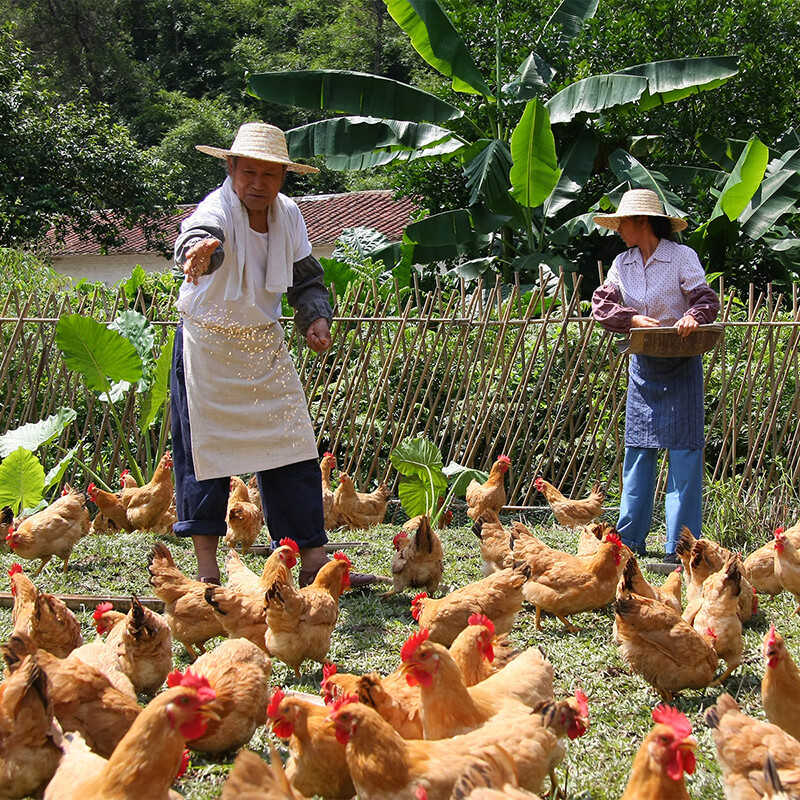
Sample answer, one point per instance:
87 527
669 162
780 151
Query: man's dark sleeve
308 294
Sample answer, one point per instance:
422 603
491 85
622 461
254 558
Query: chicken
489 496
572 512
54 531
449 708
498 596
496 550
591 536
162 526
659 645
242 616
717 612
358 509
243 518
480 653
138 507
669 593
190 618
301 620
277 567
491 776
42 616
98 655
780 686
383 765
254 495
317 764
141 641
147 759
759 566
84 700
29 754
253 779
665 755
238 672
333 517
742 744
564 584
6 520
419 558
787 565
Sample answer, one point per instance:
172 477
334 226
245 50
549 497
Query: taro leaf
417 496
417 457
360 242
156 397
32 435
97 352
136 328
21 480
56 474
462 476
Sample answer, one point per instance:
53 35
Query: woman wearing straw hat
237 403
657 282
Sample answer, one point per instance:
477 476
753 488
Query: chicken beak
211 711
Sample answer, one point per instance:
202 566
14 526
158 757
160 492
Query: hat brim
611 221
292 166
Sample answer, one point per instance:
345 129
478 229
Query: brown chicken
669 593
141 641
239 674
666 754
301 620
190 618
29 754
148 758
496 550
498 596
359 509
42 616
479 652
385 766
163 526
787 565
759 566
489 496
317 764
780 686
572 512
277 567
84 700
253 779
419 559
255 495
742 745
564 584
242 616
659 645
333 517
716 612
492 776
449 708
243 518
54 531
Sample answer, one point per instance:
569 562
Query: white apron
247 409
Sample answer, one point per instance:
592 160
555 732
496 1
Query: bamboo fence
478 372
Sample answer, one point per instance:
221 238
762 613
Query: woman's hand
318 335
198 258
686 324
641 321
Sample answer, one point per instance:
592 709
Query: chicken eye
184 701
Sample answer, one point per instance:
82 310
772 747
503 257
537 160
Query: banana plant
526 152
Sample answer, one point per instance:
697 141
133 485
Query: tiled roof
326 217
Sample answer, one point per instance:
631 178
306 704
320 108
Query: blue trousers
291 495
684 500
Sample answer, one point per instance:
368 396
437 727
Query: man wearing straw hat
657 282
237 403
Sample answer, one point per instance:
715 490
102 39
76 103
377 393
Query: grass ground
371 631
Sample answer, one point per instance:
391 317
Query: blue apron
664 407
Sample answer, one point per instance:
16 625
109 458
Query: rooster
358 509
489 496
243 518
419 559
572 513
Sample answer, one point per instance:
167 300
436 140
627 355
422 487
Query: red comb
613 538
287 542
710 632
778 533
669 715
184 763
15 569
421 793
412 643
64 492
275 701
328 453
420 596
481 619
779 529
343 700
504 458
772 632
101 609
679 568
340 556
397 538
583 702
328 670
192 680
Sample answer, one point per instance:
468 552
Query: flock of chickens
464 714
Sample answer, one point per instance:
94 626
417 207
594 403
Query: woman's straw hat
635 203
261 141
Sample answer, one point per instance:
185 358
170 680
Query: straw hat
635 203
260 141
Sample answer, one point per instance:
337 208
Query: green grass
371 631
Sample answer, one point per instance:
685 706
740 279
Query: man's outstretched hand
198 258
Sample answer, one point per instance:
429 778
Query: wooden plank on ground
82 602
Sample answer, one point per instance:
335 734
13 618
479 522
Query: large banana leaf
535 170
437 41
533 76
362 142
351 93
743 181
21 480
777 195
32 435
593 94
724 152
570 15
487 172
576 164
447 228
678 78
627 168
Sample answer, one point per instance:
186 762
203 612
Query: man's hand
641 321
198 258
686 324
318 335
